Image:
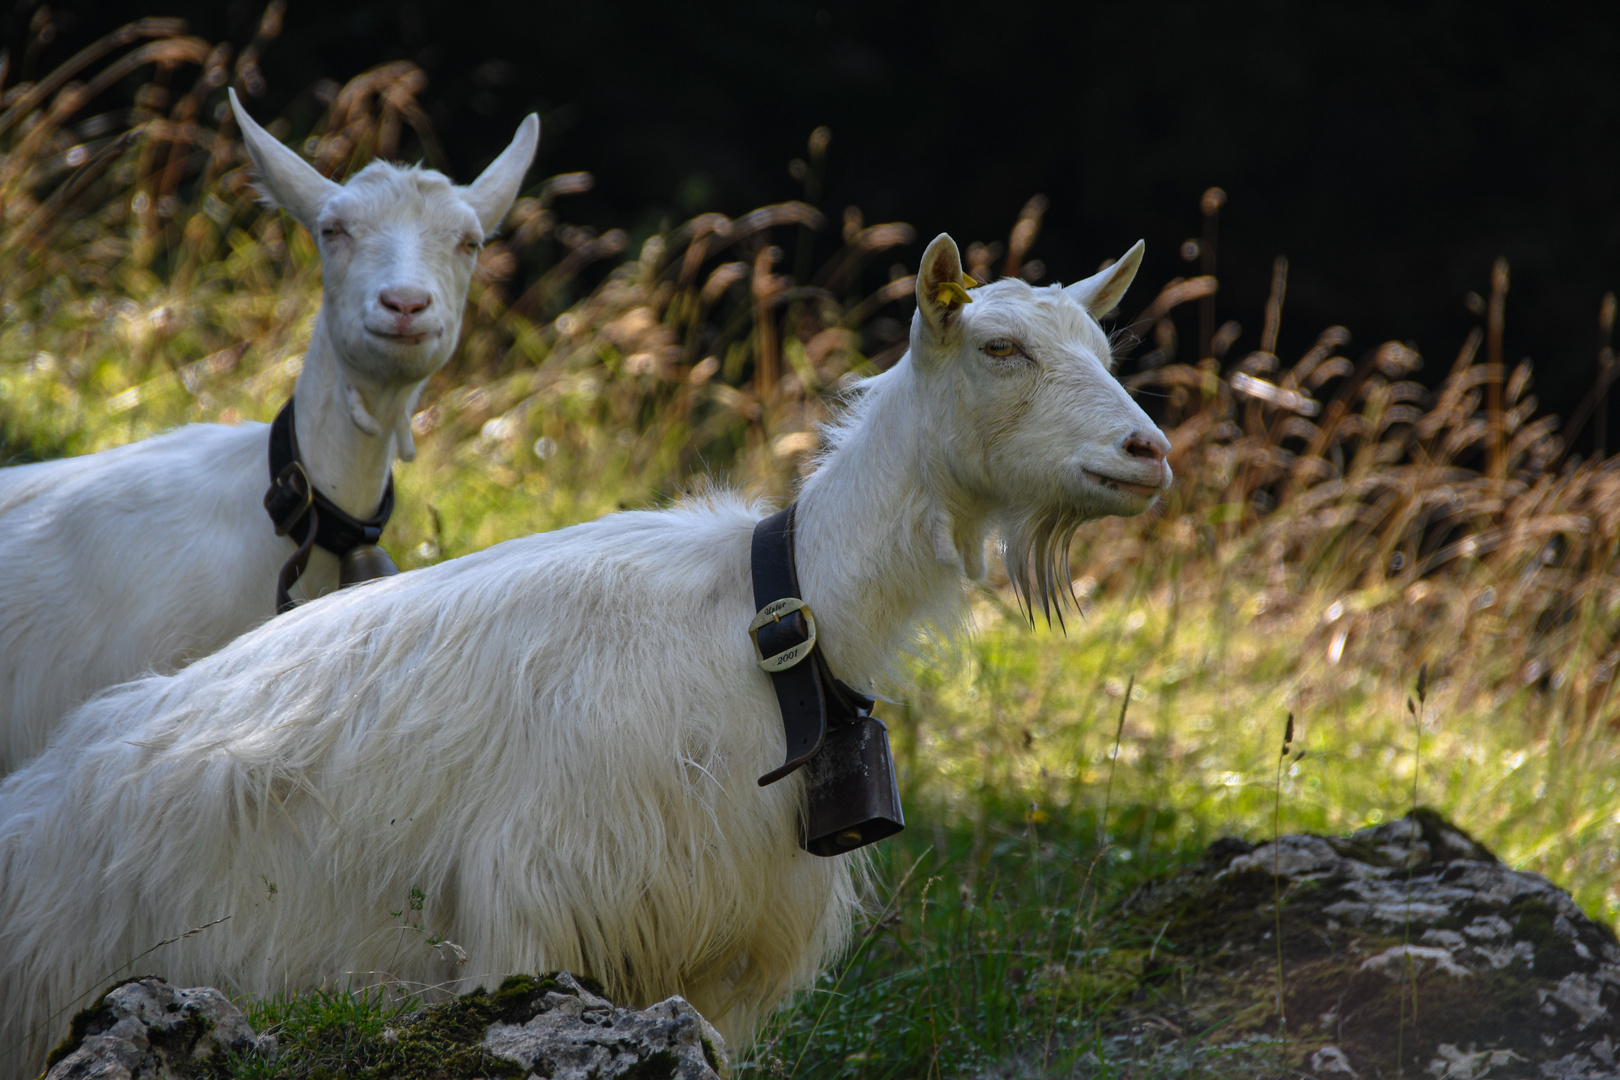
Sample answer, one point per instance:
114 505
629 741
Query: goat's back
140 557
553 742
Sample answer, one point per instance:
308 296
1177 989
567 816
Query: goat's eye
1002 347
333 231
470 246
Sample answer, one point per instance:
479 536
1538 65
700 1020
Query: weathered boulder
1407 949
553 1026
146 1029
578 1035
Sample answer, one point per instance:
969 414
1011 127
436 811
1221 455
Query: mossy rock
554 1025
146 1029
1405 949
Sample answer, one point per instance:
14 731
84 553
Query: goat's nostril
404 301
1141 447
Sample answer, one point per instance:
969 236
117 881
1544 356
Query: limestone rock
580 1036
553 1026
149 1030
1405 940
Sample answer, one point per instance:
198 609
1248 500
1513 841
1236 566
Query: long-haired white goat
147 556
557 740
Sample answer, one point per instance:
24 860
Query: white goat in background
147 556
556 739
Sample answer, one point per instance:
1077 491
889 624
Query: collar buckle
768 619
290 496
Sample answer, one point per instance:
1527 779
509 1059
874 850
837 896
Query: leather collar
808 693
298 509
851 795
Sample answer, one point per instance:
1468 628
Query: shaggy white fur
145 557
555 741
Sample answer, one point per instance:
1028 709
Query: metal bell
363 562
853 798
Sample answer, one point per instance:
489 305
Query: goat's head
398 247
1033 430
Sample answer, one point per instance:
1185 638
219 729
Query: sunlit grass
1029 719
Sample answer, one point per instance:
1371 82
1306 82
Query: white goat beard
1035 549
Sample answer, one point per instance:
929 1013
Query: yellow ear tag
950 293
970 282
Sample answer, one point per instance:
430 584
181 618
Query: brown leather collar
298 509
853 799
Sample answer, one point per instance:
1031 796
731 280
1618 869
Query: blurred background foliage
1392 151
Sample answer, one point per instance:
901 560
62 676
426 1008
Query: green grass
329 1029
1295 569
992 943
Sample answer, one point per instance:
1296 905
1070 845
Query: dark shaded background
1390 150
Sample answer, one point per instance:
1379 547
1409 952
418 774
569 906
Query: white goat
145 557
557 739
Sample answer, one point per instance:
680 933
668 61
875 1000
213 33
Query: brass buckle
773 612
283 483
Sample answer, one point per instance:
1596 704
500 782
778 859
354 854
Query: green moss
1535 921
440 1042
711 1055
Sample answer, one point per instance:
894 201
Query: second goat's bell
853 799
363 562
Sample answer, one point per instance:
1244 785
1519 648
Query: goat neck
868 547
350 428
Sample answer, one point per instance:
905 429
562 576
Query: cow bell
363 562
853 797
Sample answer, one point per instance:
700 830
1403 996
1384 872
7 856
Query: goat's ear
494 192
285 179
1101 292
941 289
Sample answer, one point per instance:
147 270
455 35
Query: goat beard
1035 550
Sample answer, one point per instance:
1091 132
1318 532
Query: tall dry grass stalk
1276 870
1415 711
